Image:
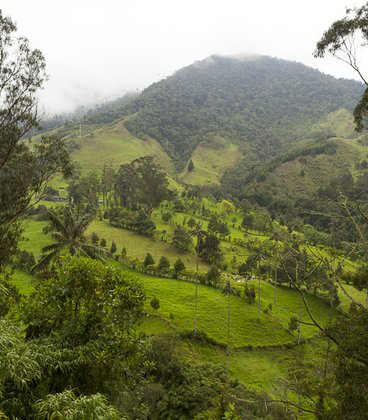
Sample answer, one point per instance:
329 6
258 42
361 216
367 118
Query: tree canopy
341 40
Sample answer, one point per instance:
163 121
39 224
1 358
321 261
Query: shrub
148 260
113 247
155 303
94 238
249 293
178 266
164 263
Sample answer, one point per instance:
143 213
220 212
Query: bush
148 260
213 275
103 242
179 266
155 303
164 263
94 238
113 247
249 293
166 217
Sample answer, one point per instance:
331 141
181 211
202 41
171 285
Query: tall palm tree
228 291
68 228
199 234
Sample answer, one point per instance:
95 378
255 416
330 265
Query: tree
179 266
142 182
25 168
94 238
68 229
65 303
228 291
190 166
148 260
80 334
155 303
213 275
181 238
199 234
113 247
209 248
83 193
107 182
227 207
340 41
248 221
164 263
249 293
217 226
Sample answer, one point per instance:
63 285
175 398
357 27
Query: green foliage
166 217
134 220
155 303
179 266
25 169
142 182
95 238
66 405
193 390
113 247
148 260
84 300
83 193
217 226
266 98
190 166
209 248
213 275
82 327
249 293
164 263
9 295
68 227
351 369
338 40
181 238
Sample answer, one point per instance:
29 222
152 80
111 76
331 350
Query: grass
23 281
210 162
139 245
177 309
33 238
115 145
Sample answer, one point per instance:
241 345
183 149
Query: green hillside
261 103
113 145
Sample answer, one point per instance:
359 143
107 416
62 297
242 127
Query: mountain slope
260 103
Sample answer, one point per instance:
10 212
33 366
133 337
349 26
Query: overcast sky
99 49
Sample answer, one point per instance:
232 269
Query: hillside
229 116
261 104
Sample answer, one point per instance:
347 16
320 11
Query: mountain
232 118
258 104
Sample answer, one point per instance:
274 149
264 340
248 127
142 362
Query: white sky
98 49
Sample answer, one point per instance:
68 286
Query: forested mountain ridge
260 103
